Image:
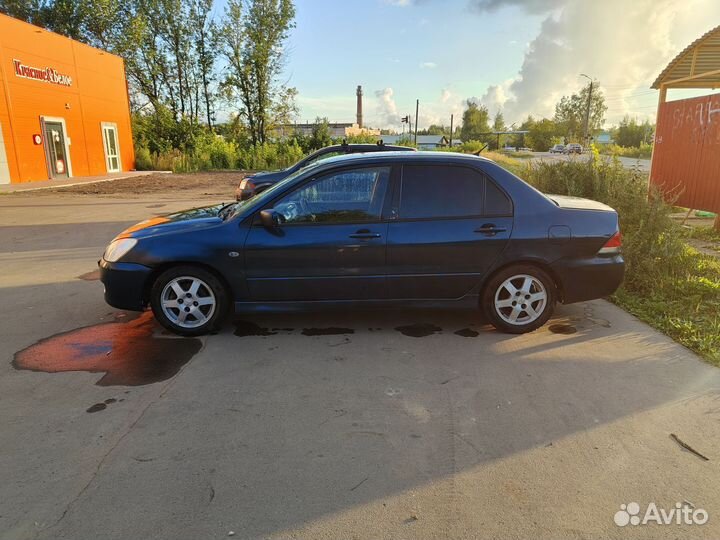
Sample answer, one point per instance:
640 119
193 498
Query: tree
205 36
541 135
252 38
498 125
630 133
320 134
570 112
475 123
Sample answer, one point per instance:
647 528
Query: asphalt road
346 425
640 164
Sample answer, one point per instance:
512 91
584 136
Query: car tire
189 300
519 299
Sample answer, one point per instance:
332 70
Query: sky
517 56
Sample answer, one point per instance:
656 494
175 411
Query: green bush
644 151
143 159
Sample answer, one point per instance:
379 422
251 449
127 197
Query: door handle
490 228
365 235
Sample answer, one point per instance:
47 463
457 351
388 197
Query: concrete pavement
340 425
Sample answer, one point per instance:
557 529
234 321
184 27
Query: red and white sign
48 74
37 139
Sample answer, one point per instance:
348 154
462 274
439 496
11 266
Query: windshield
259 200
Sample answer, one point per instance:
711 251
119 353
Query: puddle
419 330
331 331
562 329
96 408
466 332
247 328
128 353
90 276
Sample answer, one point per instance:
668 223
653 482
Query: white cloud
428 65
622 44
445 95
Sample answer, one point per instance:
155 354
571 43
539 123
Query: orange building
64 108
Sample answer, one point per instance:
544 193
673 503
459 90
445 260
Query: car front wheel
189 301
519 299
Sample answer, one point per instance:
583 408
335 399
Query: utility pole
451 129
587 111
417 108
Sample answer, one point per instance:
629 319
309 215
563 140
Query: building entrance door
56 149
112 154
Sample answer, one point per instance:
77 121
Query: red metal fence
686 158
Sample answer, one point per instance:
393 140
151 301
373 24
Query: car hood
194 218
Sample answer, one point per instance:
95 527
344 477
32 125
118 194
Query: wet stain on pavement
418 330
330 331
466 332
247 328
562 329
128 353
96 408
90 276
101 406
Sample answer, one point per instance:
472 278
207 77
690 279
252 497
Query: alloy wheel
520 299
188 301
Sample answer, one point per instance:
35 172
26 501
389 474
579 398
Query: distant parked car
574 148
260 181
558 149
374 230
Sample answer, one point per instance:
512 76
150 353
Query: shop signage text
41 74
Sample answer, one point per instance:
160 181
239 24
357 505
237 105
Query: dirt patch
204 183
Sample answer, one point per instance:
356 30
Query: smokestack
359 94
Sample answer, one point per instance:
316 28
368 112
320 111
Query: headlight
118 248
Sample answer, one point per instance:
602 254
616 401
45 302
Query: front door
330 245
112 152
55 149
452 224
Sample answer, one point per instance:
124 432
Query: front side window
348 196
441 191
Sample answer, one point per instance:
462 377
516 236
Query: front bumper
124 284
590 278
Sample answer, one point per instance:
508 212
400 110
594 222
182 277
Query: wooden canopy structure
686 153
697 66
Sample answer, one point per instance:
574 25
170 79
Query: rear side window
496 202
440 191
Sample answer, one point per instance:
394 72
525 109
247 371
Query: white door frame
66 140
4 165
112 125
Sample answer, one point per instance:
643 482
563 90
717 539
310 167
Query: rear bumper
587 279
124 284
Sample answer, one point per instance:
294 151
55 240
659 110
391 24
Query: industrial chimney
359 106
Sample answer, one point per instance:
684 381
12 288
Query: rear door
452 222
331 245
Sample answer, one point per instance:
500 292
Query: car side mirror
270 219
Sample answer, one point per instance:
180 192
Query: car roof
394 156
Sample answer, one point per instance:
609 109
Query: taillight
246 189
613 245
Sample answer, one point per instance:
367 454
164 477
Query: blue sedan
391 228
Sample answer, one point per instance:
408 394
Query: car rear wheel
519 299
189 301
